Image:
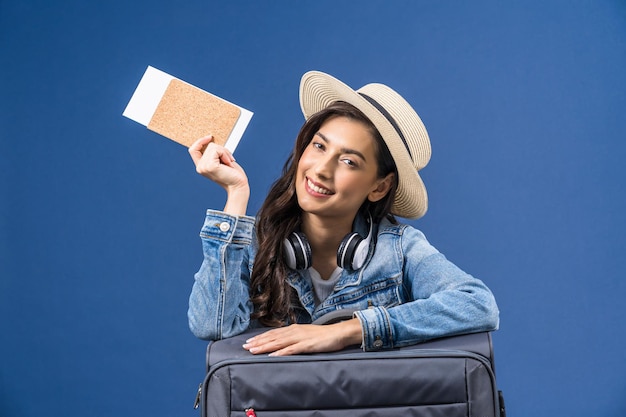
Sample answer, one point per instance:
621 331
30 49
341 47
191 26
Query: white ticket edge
149 93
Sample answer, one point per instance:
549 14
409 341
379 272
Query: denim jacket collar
300 280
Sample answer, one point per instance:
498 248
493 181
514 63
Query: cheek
300 172
302 168
355 184
304 160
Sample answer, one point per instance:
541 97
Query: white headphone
351 254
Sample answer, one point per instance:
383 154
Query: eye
318 145
350 162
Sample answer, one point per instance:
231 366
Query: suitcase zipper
196 404
357 355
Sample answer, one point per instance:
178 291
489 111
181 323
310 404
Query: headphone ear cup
297 252
354 249
348 249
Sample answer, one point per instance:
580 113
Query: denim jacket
407 292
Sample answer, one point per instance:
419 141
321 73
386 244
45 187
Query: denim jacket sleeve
441 299
219 304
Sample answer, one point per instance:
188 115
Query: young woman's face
338 170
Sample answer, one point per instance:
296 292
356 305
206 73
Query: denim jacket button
378 343
224 226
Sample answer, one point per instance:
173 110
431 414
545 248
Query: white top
322 288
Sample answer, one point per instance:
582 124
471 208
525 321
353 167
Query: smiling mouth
317 189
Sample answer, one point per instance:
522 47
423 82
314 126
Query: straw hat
398 124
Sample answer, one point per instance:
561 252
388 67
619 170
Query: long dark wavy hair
280 215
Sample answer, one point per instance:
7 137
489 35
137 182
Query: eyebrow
343 150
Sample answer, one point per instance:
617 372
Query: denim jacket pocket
386 292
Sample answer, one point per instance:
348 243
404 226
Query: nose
324 167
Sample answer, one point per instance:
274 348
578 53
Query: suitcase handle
335 316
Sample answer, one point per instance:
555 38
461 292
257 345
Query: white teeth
317 189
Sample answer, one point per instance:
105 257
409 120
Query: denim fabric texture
407 292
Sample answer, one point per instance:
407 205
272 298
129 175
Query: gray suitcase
447 377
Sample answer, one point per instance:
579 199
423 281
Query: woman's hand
306 338
217 164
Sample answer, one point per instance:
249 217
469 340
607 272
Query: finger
201 143
277 349
278 335
226 157
260 346
292 349
198 147
284 352
288 340
265 342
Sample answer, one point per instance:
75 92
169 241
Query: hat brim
318 90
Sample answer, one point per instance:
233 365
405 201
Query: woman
326 237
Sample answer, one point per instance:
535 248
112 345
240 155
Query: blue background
524 103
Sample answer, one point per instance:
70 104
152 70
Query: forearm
350 332
443 314
442 300
237 200
219 304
